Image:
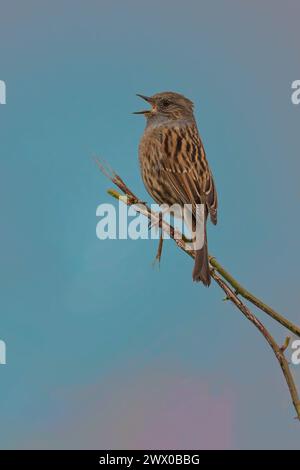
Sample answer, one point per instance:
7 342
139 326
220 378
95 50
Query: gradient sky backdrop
103 351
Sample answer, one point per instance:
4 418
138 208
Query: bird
174 167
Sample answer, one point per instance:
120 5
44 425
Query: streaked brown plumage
173 163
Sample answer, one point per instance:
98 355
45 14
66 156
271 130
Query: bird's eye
165 103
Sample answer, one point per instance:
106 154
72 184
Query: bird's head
167 106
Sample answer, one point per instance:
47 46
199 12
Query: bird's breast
151 156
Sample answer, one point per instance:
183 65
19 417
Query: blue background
103 351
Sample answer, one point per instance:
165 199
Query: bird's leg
159 249
157 223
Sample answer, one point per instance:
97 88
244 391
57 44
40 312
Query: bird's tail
201 271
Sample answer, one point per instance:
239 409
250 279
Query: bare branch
232 292
279 352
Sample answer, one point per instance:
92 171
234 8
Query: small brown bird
174 166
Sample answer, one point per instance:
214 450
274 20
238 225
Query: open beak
149 100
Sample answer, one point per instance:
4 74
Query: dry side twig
222 277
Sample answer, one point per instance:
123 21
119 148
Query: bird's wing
183 163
